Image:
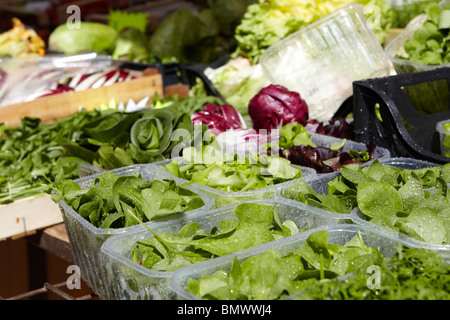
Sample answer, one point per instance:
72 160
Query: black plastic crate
177 73
383 114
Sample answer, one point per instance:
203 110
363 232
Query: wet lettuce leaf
230 172
415 202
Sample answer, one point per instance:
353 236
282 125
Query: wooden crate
61 105
23 217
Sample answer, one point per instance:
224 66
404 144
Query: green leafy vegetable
119 20
228 172
31 158
89 36
429 43
119 139
393 197
116 202
272 275
267 22
411 274
256 224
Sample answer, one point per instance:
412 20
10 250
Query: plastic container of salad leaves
134 281
420 214
225 198
327 141
87 239
443 129
329 198
429 97
339 235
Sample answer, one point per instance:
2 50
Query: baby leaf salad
322 270
413 202
117 202
255 224
229 172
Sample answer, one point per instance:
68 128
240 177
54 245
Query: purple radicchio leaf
275 106
219 118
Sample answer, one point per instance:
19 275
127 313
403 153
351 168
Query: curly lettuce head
269 21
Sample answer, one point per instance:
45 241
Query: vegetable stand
188 172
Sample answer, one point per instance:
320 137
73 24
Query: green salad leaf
272 275
229 172
415 202
120 201
429 42
255 224
411 274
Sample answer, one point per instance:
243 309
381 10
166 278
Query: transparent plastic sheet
22 80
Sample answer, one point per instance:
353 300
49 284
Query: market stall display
179 163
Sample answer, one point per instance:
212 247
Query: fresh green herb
294 134
272 275
116 202
256 224
30 156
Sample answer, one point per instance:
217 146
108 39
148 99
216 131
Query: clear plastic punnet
226 198
444 137
340 234
359 218
86 239
133 281
327 141
320 185
320 61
